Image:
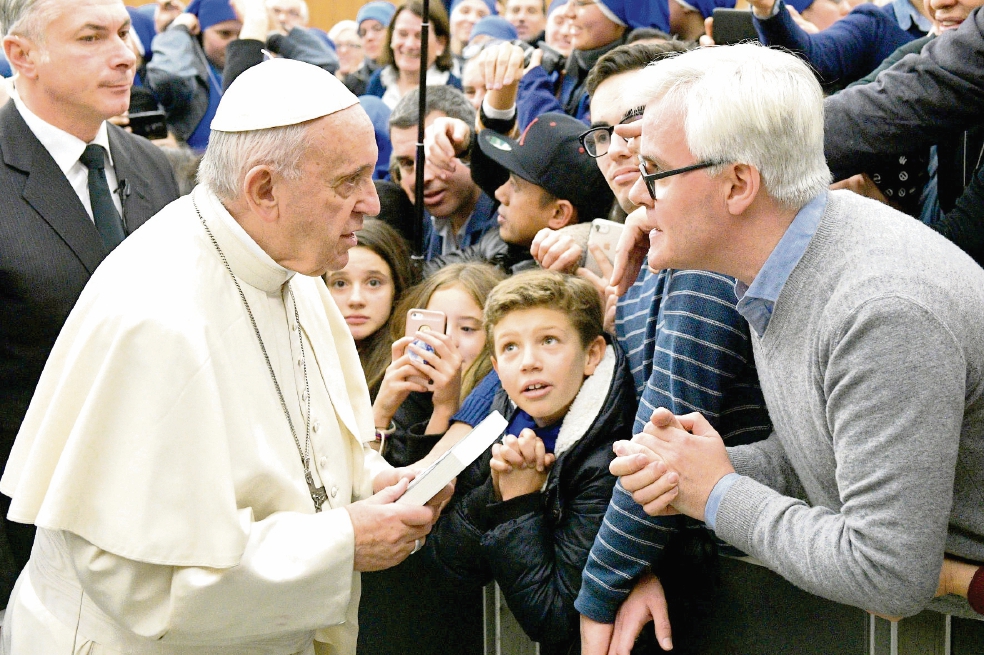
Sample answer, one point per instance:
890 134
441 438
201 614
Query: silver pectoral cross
318 494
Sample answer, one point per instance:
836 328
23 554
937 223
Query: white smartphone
605 234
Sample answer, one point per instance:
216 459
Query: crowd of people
727 298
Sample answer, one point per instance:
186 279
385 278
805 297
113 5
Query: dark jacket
919 101
179 75
922 100
48 249
408 443
844 52
300 44
540 92
535 546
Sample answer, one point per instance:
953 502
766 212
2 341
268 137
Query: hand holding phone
423 320
605 235
733 26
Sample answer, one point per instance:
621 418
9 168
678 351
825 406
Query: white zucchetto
280 92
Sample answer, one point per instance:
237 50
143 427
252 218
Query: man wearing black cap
543 179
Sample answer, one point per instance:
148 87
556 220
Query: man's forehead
659 123
526 3
80 12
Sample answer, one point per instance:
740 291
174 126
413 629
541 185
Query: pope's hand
386 532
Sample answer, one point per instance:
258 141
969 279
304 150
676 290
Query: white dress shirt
66 150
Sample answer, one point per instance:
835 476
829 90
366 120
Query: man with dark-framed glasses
865 330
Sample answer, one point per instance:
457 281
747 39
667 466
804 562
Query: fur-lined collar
588 403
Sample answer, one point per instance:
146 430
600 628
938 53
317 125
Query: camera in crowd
552 62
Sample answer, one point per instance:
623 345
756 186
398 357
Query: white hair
747 104
28 18
343 26
302 5
231 155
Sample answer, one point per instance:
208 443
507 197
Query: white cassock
158 464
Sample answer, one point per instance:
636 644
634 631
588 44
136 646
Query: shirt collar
756 301
906 15
64 148
248 261
478 219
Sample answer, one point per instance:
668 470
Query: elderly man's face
685 231
289 13
82 73
320 211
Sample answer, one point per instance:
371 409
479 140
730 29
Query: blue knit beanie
211 12
489 3
143 26
555 4
633 14
496 27
378 10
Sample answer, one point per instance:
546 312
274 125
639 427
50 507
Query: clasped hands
673 464
520 465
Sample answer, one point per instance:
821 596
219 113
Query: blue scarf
523 420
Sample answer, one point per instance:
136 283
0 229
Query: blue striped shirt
689 351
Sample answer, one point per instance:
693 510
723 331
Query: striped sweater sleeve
685 334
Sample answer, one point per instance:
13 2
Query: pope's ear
259 192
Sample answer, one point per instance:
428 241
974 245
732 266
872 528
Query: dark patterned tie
103 210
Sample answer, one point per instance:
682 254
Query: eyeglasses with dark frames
651 178
598 140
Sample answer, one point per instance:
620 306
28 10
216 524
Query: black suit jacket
49 248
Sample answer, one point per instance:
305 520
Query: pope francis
196 456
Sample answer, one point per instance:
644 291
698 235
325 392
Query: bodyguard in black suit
49 244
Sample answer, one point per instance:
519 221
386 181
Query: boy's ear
495 364
563 214
596 351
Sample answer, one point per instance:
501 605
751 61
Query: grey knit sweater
872 368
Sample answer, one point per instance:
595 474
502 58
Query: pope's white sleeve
374 464
295 574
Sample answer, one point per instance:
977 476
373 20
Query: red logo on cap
522 137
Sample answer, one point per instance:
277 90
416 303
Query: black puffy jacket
535 546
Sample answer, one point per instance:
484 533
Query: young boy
527 513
